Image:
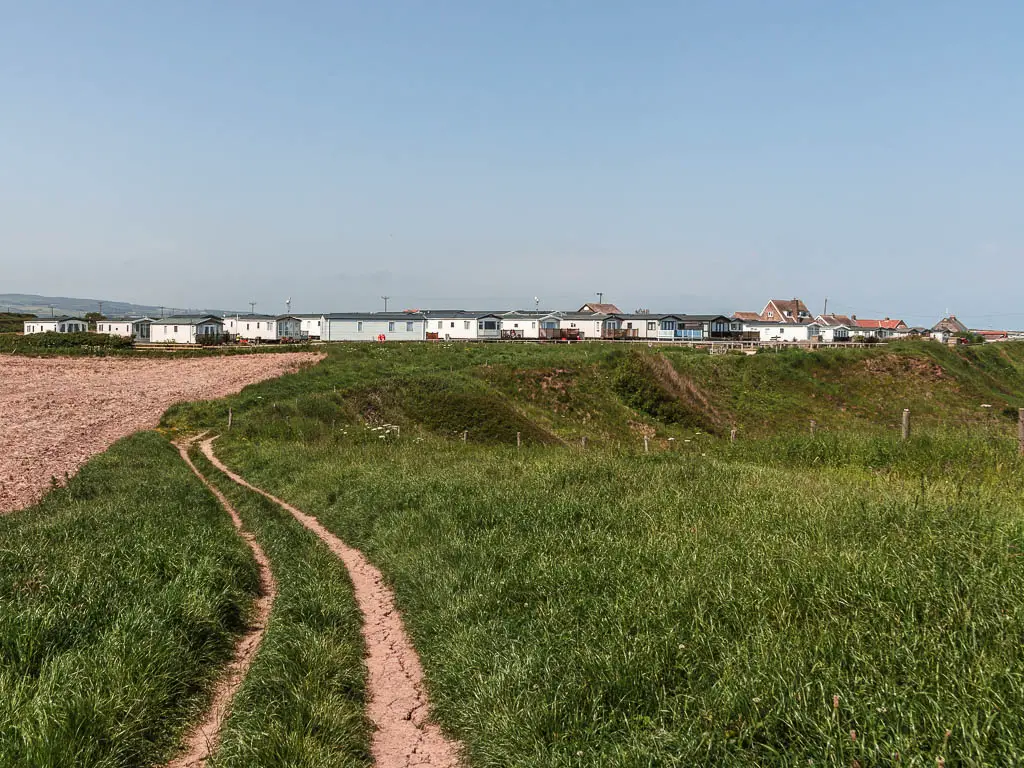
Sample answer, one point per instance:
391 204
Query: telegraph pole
600 297
385 302
252 307
101 308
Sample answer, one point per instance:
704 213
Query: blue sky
684 156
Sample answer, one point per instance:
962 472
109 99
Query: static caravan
711 326
63 324
585 325
783 331
374 326
187 329
136 328
311 326
461 324
524 324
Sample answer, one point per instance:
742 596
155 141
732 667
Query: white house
63 324
783 331
374 326
462 325
263 327
311 326
187 329
136 328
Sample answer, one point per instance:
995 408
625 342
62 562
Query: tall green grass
664 610
302 702
119 598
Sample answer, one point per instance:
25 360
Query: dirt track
404 734
55 413
202 741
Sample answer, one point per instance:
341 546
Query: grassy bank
119 598
302 703
104 345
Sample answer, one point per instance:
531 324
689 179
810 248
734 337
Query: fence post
732 435
519 440
229 418
906 424
583 442
814 427
1020 429
647 447
465 434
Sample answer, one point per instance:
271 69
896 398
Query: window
771 315
258 326
359 326
533 324
391 326
175 329
246 327
651 325
490 325
465 325
440 325
408 326
668 325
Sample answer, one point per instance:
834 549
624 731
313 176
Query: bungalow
62 324
263 327
880 329
374 326
462 324
187 329
783 331
835 328
136 328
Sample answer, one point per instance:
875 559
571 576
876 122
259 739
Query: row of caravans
453 325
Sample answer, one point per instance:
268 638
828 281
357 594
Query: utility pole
288 306
600 297
101 307
161 312
385 302
252 307
825 311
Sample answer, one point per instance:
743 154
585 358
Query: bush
87 343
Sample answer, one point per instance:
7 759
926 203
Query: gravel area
55 413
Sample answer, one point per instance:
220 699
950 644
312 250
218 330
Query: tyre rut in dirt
202 741
398 706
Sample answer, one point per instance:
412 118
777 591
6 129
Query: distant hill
66 305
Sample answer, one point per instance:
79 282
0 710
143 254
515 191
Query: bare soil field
55 413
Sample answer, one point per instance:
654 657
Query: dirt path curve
405 735
204 738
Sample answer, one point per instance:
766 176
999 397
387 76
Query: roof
599 309
833 320
61 319
951 324
746 315
581 315
794 307
886 323
466 314
249 316
706 318
374 316
126 320
781 323
187 320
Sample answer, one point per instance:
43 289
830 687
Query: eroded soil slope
57 412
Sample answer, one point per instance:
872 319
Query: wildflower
835 701
853 735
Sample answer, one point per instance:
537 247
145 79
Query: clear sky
681 156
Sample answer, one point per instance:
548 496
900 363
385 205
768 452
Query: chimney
853 317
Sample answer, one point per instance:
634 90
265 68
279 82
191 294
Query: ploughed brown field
55 413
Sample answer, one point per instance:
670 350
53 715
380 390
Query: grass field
119 598
841 599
